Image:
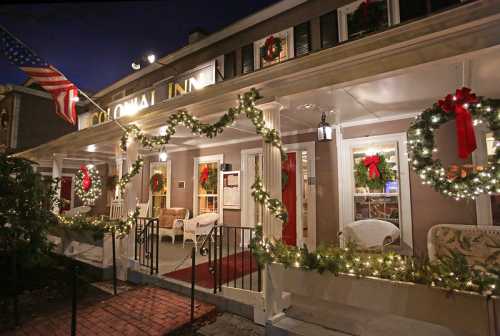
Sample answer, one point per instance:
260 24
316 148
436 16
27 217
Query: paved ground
142 311
231 325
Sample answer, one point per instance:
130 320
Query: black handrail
236 246
147 243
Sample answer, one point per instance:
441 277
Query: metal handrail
144 237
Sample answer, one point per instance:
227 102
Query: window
160 199
384 198
329 29
410 9
247 59
285 38
229 65
207 186
302 39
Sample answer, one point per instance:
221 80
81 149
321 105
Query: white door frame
219 158
152 166
345 168
310 148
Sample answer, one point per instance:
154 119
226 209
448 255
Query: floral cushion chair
480 245
171 221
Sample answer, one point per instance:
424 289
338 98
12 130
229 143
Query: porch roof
344 79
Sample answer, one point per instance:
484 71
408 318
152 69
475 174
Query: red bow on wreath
204 175
86 181
371 162
465 129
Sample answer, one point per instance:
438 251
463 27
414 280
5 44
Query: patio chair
199 226
171 221
78 210
117 210
143 209
371 233
480 244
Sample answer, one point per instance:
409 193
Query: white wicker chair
199 226
117 210
371 233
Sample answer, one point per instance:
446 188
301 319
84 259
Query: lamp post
324 130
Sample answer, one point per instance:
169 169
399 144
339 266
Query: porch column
57 167
119 171
134 186
271 172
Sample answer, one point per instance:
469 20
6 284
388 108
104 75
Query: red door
289 196
66 192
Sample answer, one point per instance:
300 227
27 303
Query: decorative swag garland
88 185
453 273
467 110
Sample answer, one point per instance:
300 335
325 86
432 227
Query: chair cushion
168 216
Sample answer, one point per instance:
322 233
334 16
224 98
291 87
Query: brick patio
143 311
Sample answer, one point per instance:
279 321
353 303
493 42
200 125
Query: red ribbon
465 129
371 162
269 46
204 175
87 181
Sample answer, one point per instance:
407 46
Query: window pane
363 21
411 9
301 38
329 29
229 65
281 57
208 182
376 183
159 198
247 59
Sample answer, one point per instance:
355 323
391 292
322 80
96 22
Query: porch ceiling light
324 130
163 156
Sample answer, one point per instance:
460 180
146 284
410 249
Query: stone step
287 326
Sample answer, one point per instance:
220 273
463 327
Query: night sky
93 43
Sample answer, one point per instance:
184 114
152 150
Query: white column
271 172
57 167
119 172
133 188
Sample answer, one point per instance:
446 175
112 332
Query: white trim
219 158
16 111
484 215
404 181
379 120
168 165
241 25
339 143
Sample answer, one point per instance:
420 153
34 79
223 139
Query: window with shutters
329 30
230 65
268 55
247 59
302 39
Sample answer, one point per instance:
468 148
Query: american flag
64 93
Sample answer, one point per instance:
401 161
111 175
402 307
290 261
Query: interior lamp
324 130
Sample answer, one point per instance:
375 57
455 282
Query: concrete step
287 326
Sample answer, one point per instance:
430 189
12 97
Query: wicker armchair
171 221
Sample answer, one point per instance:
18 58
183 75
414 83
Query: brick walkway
143 311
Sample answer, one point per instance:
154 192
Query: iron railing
230 258
147 242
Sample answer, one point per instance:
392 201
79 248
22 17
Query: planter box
361 305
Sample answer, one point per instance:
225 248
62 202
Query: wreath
156 182
467 181
369 16
208 179
373 171
88 185
272 48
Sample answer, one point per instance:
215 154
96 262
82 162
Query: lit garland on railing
422 145
136 168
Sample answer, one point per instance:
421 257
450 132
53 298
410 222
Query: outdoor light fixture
324 130
151 58
163 155
136 65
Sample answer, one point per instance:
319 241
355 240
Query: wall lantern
324 130
163 156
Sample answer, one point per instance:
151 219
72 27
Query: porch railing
147 242
230 258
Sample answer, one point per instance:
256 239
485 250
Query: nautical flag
64 93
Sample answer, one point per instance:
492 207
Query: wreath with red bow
467 110
208 179
156 182
272 48
373 171
88 185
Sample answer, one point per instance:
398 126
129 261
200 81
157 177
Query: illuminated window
160 199
207 185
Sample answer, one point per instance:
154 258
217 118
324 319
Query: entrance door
160 199
289 197
66 182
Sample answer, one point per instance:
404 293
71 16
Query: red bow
204 175
465 129
87 181
371 162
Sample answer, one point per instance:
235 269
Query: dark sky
93 43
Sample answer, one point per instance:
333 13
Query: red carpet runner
233 267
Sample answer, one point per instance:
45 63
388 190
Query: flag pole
100 108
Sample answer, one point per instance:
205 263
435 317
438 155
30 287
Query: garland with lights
88 185
246 106
156 182
373 171
272 48
467 110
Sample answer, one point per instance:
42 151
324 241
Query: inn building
308 60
